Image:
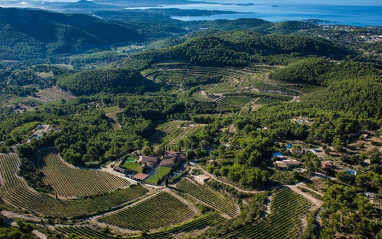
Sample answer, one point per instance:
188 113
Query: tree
146 151
159 150
166 181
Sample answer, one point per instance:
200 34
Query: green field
159 175
160 210
132 165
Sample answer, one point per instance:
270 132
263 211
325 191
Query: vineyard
16 191
201 222
71 182
171 132
84 231
209 196
157 211
283 222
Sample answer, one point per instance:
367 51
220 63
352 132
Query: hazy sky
328 2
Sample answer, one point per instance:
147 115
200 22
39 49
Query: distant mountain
35 34
86 6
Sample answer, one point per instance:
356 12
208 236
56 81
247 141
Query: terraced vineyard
283 222
201 222
186 132
170 133
209 196
163 130
84 231
160 210
71 182
15 191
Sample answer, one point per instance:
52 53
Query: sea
339 12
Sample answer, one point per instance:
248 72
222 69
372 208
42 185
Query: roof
119 169
327 164
203 177
281 164
150 164
292 162
140 176
169 154
170 161
146 159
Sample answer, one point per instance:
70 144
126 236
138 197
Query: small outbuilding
202 179
140 177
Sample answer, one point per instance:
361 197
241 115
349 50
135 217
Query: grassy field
16 191
70 182
160 210
132 165
159 175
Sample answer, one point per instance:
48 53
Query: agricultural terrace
171 132
284 221
84 231
237 101
198 223
159 175
157 211
14 190
71 182
209 196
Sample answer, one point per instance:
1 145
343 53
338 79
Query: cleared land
71 182
15 191
209 196
53 94
284 221
160 210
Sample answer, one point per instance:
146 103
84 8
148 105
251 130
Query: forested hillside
243 47
34 34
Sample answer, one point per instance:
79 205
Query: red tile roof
140 176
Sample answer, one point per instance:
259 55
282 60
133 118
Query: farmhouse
287 164
172 159
171 162
178 155
140 177
150 162
328 166
119 169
